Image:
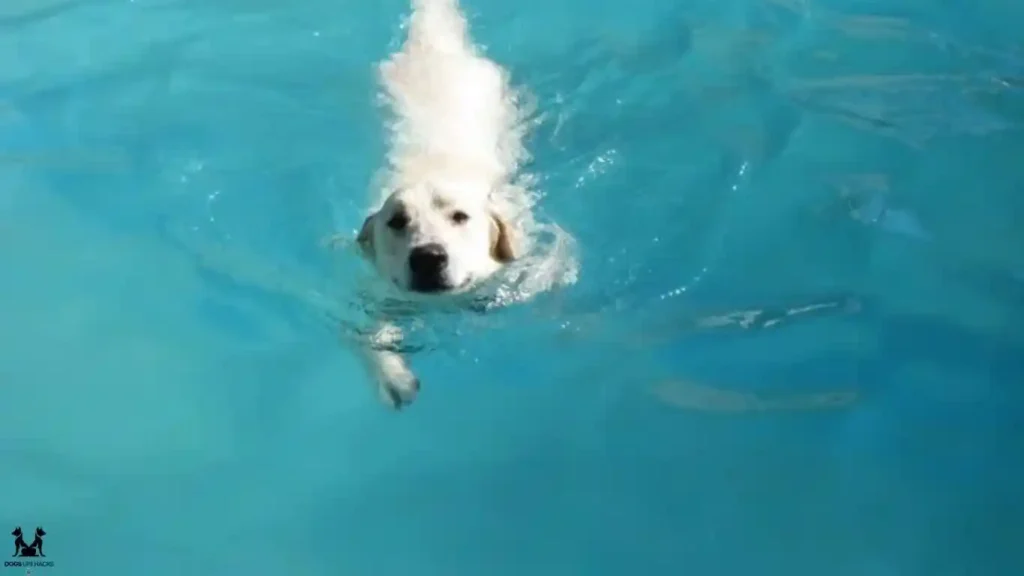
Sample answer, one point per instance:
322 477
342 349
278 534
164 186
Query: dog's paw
398 395
397 386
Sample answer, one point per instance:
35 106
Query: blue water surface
795 347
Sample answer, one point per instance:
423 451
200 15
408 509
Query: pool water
794 347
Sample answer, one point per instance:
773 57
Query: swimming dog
442 223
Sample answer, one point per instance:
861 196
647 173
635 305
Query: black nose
427 264
427 260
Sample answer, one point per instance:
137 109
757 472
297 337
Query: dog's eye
398 222
459 217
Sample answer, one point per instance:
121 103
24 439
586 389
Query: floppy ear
501 241
365 237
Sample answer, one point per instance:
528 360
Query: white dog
447 217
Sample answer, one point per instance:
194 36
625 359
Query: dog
447 217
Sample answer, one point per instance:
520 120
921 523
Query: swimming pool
800 354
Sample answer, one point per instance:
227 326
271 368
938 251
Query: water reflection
697 396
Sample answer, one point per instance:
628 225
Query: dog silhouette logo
22 549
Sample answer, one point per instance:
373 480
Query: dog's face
429 240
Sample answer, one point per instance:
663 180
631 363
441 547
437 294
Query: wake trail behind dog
454 118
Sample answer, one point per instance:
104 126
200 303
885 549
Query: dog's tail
439 24
427 4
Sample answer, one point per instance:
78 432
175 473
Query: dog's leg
396 385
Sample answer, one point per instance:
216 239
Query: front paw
397 386
398 395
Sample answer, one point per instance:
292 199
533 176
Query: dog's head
430 240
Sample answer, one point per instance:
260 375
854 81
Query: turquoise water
795 347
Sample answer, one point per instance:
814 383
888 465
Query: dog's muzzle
427 266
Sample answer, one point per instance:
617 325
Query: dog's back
453 117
